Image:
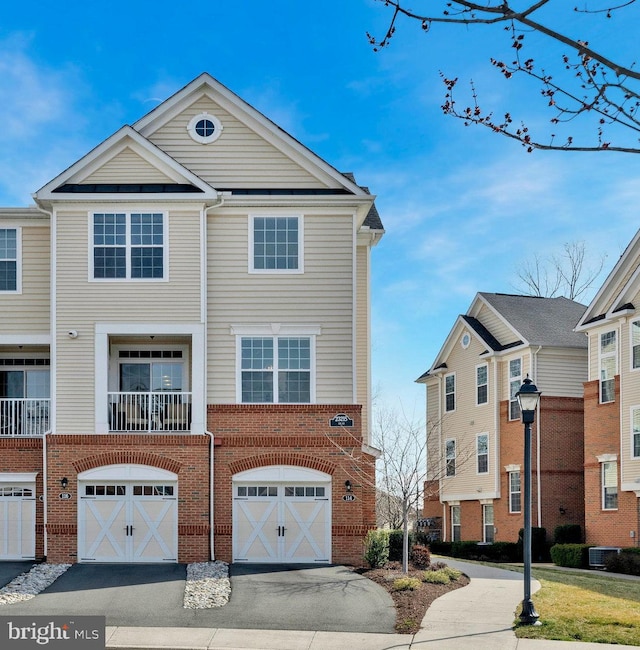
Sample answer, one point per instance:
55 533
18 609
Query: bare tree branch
591 85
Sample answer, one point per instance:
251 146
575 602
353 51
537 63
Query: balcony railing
24 417
161 411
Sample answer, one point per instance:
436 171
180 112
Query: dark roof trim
486 335
127 188
595 319
627 305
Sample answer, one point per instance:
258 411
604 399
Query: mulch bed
411 606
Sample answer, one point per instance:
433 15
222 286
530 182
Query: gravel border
207 585
32 582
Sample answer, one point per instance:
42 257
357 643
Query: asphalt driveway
268 597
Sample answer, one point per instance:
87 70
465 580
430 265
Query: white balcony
151 412
24 417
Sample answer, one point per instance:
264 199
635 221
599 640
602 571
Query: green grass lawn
591 606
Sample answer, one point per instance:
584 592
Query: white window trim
459 524
455 397
608 459
514 469
18 260
482 365
276 330
284 214
455 457
485 523
631 432
631 368
127 212
510 379
205 139
478 454
608 355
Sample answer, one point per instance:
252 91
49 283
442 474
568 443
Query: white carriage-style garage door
17 516
282 514
127 513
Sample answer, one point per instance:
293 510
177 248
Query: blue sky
462 207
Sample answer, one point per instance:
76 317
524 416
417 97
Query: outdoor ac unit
598 554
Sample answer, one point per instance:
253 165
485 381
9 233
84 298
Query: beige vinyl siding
28 312
124 167
239 158
434 450
561 372
322 295
630 397
363 359
81 304
496 326
467 421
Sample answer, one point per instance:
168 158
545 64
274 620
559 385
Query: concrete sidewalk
478 616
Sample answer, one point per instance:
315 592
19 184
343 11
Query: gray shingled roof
372 220
541 321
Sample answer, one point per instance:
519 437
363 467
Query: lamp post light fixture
528 396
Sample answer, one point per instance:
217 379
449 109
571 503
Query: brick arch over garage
127 458
282 458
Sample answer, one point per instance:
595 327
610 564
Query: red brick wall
602 436
251 436
25 455
186 455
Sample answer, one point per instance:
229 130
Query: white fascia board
500 317
593 309
205 84
18 477
25 339
126 136
472 496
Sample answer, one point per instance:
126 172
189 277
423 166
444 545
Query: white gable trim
279 473
112 146
474 310
206 85
127 472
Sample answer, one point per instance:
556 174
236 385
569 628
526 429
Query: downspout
534 367
203 319
52 311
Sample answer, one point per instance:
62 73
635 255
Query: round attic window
204 128
465 340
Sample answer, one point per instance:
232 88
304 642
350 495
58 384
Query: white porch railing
161 411
24 417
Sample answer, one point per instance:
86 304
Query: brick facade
252 436
602 436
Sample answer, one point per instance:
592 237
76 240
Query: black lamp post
528 397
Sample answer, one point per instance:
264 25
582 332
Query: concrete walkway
477 617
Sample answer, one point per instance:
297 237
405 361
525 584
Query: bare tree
563 274
584 84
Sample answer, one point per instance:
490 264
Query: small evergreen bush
575 556
376 548
628 561
420 556
406 584
395 544
439 577
567 534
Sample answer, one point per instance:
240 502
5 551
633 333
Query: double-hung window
276 369
515 381
635 344
515 492
275 244
450 393
609 485
9 253
455 523
608 366
450 458
482 453
635 432
129 245
482 384
487 524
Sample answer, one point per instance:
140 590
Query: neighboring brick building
475 441
612 406
184 348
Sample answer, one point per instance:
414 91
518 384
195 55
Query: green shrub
628 561
571 555
539 546
567 534
439 577
420 556
376 548
453 574
499 552
395 544
406 584
466 550
440 548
